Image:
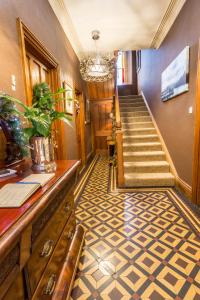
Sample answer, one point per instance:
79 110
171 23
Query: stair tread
142 144
146 163
140 129
141 136
152 176
143 122
143 153
137 120
138 111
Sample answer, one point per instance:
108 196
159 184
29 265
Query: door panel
37 73
102 123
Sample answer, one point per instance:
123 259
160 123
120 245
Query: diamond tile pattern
138 245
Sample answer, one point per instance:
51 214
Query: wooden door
38 72
80 126
102 123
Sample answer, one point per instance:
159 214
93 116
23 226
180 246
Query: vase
42 154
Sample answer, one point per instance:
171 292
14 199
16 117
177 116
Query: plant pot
42 154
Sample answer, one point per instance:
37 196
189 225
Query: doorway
80 125
39 65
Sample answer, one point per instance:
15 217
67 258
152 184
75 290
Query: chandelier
98 68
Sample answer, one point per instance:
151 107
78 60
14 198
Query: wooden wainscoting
102 123
101 90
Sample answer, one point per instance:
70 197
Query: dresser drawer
43 247
59 196
48 281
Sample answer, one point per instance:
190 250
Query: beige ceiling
124 24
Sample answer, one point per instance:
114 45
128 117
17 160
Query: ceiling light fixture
97 68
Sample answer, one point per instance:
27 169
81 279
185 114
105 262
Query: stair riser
146 169
130 97
142 148
138 158
149 182
132 109
134 114
131 100
132 104
140 139
136 119
131 113
138 132
137 125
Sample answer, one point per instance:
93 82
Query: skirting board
181 184
184 187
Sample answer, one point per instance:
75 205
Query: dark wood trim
29 42
80 97
196 156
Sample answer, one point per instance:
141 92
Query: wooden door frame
28 39
82 124
196 157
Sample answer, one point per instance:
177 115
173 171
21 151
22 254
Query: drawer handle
50 285
47 249
70 235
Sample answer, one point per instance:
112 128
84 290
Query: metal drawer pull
47 248
50 285
70 235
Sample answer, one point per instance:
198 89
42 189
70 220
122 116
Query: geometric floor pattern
137 245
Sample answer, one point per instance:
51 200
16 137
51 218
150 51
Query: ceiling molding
169 18
65 20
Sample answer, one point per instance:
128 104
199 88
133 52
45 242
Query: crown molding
65 21
168 20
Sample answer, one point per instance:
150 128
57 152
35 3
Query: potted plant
40 116
13 131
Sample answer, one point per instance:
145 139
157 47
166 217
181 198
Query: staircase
145 162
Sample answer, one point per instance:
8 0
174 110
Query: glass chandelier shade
99 68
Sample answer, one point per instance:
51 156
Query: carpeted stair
144 159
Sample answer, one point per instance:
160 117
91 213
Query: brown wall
176 125
41 20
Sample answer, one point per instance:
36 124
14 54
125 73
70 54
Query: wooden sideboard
40 242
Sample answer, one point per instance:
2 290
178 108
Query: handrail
118 141
120 158
117 110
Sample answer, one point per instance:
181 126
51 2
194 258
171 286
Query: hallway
138 245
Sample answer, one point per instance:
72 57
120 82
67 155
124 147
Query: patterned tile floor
138 245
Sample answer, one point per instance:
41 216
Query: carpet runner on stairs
144 159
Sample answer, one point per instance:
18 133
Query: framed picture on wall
68 98
175 78
87 111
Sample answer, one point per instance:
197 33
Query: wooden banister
120 159
117 110
118 134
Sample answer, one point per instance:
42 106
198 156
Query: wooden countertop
9 216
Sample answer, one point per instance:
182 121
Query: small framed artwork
68 98
87 111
